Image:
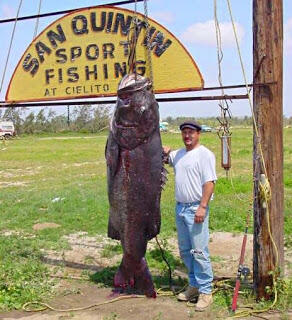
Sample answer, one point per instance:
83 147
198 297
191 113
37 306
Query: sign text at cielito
85 54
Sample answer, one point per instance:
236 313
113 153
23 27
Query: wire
10 44
55 13
37 20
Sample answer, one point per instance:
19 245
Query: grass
63 180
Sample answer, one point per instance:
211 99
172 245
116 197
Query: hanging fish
135 176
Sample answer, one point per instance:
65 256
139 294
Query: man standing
195 175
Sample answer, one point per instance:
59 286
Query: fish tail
143 279
135 274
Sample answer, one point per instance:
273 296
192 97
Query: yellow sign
85 54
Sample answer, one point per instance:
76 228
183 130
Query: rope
37 20
167 263
45 306
247 89
148 45
264 185
10 45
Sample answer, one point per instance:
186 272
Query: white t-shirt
192 170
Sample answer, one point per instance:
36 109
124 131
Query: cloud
6 11
205 33
288 37
163 16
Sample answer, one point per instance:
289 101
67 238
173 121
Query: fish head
136 114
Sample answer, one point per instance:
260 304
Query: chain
148 45
223 104
132 41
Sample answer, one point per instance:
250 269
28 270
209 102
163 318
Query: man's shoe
204 301
189 294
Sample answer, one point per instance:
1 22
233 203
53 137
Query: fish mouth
125 125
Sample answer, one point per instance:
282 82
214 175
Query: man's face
190 137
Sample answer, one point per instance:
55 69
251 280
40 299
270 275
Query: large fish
135 176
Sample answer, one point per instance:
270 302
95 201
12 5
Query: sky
192 22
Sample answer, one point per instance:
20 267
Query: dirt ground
86 254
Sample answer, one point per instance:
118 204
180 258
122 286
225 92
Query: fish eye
125 98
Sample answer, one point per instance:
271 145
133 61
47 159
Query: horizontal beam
113 101
48 14
238 86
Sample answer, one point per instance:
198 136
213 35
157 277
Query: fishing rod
242 270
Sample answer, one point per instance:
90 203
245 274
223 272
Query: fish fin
112 154
163 179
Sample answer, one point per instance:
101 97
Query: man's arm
208 189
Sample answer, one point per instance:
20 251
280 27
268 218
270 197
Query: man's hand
200 215
165 153
166 150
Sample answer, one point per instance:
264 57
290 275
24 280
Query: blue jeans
193 239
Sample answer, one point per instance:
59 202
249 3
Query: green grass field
35 170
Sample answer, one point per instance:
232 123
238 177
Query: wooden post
267 100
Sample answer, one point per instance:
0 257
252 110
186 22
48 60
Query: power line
48 14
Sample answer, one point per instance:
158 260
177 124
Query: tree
101 118
82 117
29 124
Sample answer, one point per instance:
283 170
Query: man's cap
190 124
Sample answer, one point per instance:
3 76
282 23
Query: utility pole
268 109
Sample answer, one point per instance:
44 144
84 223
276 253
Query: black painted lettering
140 69
61 53
41 49
158 44
141 24
31 65
67 90
89 72
149 35
48 75
47 92
60 75
79 24
93 21
73 75
109 21
125 45
53 36
108 49
75 52
105 71
105 87
92 52
120 70
120 20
